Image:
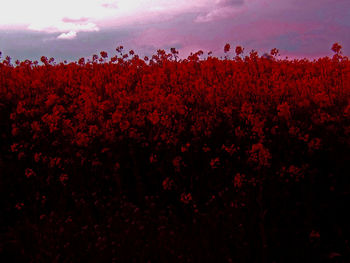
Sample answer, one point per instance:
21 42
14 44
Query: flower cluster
89 143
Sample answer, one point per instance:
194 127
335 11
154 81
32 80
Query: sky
71 29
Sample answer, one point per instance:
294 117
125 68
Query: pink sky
66 29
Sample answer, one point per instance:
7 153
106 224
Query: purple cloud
224 3
297 28
113 5
72 20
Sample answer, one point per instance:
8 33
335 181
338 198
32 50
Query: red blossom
124 125
177 162
230 150
109 113
186 198
117 166
227 48
174 51
103 54
167 183
114 59
238 179
119 49
214 162
153 158
21 155
314 144
36 126
284 110
206 148
37 157
239 50
63 178
260 155
81 61
29 173
82 139
274 52
19 206
117 116
336 48
14 147
154 117
184 148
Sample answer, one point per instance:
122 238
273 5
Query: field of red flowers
123 159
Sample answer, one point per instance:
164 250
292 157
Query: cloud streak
69 35
225 3
77 20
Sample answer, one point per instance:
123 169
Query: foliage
235 160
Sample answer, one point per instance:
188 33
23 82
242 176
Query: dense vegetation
242 159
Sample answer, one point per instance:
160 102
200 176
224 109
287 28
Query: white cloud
216 14
64 16
69 35
110 4
61 15
61 26
52 15
222 9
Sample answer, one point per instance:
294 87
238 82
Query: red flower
21 155
19 206
82 139
238 179
20 107
14 147
44 60
186 198
103 54
93 130
63 178
81 61
29 173
184 148
117 116
154 117
124 125
260 155
177 162
214 162
230 150
284 111
336 48
114 59
206 148
167 183
274 52
174 51
153 158
117 166
227 48
36 126
119 49
314 144
294 131
239 50
314 234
